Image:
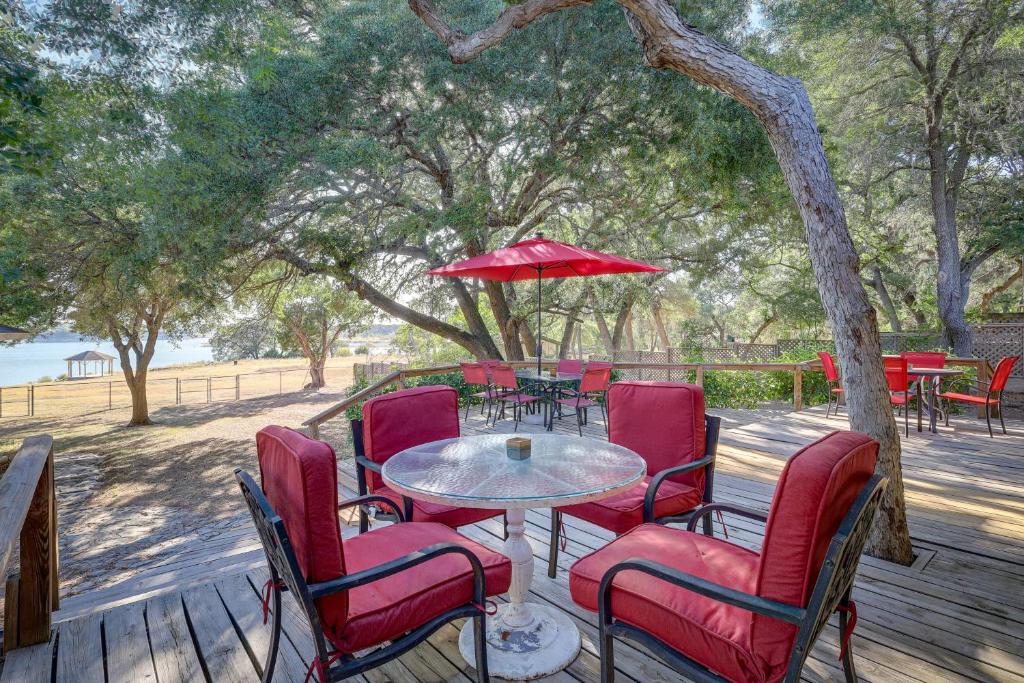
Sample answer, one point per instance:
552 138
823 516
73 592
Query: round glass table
525 640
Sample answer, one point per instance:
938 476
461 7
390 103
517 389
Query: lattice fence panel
993 342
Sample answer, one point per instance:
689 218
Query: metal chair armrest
707 461
365 500
343 583
730 596
363 461
705 510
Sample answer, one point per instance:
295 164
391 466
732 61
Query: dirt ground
127 496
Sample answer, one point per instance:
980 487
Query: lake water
27 362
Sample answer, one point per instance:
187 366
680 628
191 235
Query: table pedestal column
524 640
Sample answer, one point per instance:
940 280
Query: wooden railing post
699 379
798 388
28 508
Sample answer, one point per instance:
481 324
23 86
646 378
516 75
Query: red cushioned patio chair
593 386
899 387
399 420
719 612
389 588
475 374
665 423
835 389
507 386
993 396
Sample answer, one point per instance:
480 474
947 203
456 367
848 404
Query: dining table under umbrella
541 258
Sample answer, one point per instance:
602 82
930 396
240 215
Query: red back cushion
299 477
829 366
570 365
816 489
663 422
1002 372
403 419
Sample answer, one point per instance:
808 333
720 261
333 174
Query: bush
343 352
362 350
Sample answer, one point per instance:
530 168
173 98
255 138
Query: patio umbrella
542 258
13 333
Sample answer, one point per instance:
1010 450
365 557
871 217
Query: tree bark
764 326
987 297
602 324
565 346
878 284
659 326
621 318
783 108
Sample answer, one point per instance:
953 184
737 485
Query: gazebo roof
90 355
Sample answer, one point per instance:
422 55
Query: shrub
362 350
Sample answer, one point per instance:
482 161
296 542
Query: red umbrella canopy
548 258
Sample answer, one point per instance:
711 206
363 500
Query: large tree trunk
659 326
317 378
565 345
621 318
783 108
878 284
602 324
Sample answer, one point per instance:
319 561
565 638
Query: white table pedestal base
546 645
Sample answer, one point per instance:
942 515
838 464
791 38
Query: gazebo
101 362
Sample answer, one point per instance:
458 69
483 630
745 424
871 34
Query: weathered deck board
957 615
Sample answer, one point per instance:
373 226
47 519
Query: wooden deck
956 615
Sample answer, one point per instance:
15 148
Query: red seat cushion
582 403
423 511
712 633
898 399
386 609
623 511
403 419
299 477
837 390
816 489
952 395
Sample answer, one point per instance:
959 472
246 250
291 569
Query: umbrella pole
540 343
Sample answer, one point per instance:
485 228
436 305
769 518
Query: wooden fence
28 514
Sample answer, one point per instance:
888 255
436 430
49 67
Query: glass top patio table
474 471
546 378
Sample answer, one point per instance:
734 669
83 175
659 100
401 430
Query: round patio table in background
932 374
525 640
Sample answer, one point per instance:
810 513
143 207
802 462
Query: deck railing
400 376
28 512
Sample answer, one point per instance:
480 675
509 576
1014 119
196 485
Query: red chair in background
388 589
716 611
595 364
899 386
593 385
507 387
924 359
399 420
993 396
475 374
569 366
664 423
828 364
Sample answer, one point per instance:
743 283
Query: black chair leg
1001 423
604 414
480 641
988 420
707 525
364 520
556 519
275 633
504 526
607 654
579 421
847 654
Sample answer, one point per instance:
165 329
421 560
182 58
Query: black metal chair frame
598 396
831 592
285 574
363 463
833 384
712 427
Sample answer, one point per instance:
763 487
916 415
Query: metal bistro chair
835 389
993 397
475 374
924 359
899 387
718 612
572 366
592 386
387 589
399 420
507 386
665 424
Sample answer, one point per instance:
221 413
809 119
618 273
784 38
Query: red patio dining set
917 376
711 609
